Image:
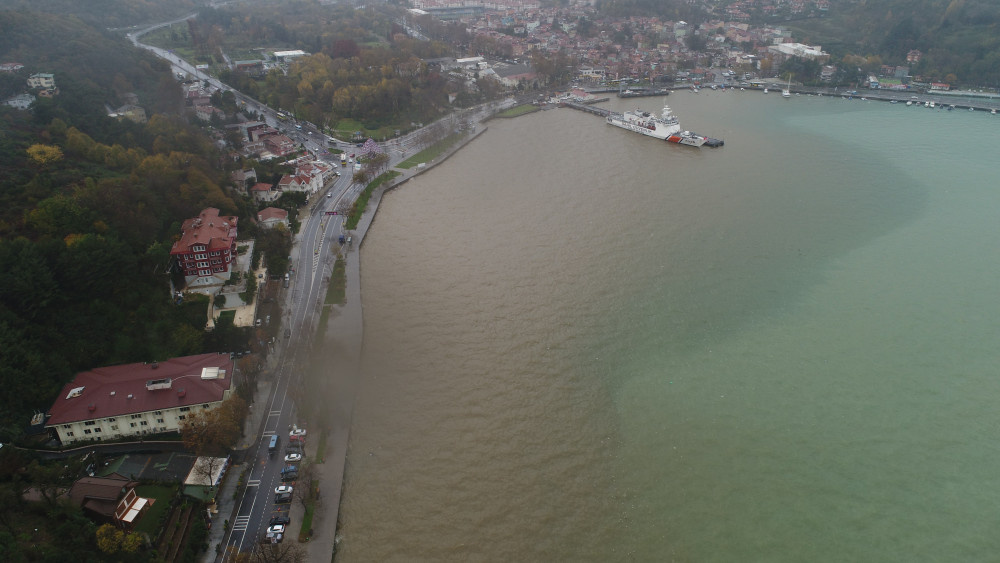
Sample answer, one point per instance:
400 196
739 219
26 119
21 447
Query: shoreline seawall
346 327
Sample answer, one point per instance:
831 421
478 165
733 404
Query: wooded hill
104 14
959 39
89 207
362 65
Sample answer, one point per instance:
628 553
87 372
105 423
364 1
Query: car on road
289 469
296 439
274 534
291 476
291 458
280 519
296 431
283 498
280 489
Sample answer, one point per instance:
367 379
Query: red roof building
135 399
206 248
269 217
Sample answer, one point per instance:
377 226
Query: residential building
10 67
243 179
207 248
270 217
131 112
263 192
279 145
20 101
110 499
132 400
42 80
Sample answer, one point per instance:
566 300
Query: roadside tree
215 431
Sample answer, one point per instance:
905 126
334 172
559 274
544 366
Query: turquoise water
585 345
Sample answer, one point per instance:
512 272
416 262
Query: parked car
282 519
294 448
293 457
296 439
274 534
289 469
296 431
286 477
282 489
283 498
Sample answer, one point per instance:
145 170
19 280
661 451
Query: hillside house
270 217
110 499
207 248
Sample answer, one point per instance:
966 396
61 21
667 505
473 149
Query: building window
184 409
97 431
205 406
181 417
65 425
159 421
111 419
69 433
157 412
89 423
131 425
135 416
200 256
143 423
86 431
114 427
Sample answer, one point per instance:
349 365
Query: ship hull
687 140
657 132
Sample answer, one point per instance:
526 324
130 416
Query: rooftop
134 388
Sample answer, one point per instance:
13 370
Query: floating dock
644 93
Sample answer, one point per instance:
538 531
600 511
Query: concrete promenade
345 327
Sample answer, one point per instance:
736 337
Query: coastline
345 326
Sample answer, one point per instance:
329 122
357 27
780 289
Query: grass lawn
150 522
431 152
307 519
345 128
518 110
337 291
361 203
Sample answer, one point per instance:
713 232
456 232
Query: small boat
765 90
893 101
786 92
993 112
909 102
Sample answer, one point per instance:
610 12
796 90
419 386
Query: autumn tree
109 538
215 431
43 155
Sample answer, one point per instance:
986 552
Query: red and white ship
665 126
